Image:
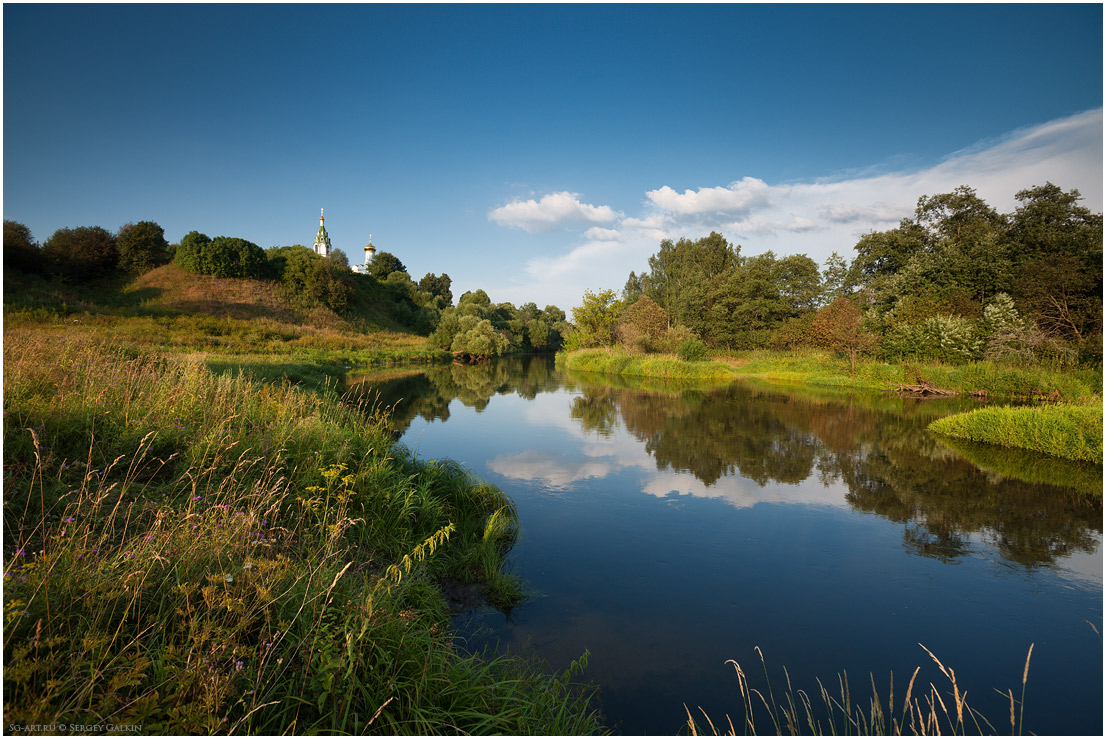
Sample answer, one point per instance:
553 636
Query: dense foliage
142 246
223 256
478 329
81 253
957 282
308 278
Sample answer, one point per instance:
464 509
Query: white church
322 246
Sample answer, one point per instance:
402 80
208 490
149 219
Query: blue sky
538 151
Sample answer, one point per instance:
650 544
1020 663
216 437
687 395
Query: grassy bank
823 369
621 364
1071 432
196 553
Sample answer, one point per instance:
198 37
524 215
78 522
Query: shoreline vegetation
200 553
1070 429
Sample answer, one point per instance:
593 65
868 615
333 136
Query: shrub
223 256
951 339
642 326
308 278
142 246
693 350
20 249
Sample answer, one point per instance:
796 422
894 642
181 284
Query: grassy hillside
228 322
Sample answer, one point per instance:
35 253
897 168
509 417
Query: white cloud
746 195
814 218
873 213
596 233
552 212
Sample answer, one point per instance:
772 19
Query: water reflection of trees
427 392
878 447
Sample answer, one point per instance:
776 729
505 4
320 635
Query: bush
82 253
20 249
952 339
308 278
642 326
223 256
142 246
693 350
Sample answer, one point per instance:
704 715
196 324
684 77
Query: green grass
1067 431
200 553
631 365
823 369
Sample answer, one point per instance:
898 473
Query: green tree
1058 263
338 259
21 251
682 273
837 279
799 281
438 286
384 264
745 306
142 246
82 253
594 320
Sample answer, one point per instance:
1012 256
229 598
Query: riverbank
195 552
1072 430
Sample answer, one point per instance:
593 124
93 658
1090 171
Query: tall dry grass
928 712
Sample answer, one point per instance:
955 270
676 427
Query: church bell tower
322 238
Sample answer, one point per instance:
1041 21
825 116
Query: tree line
958 281
474 328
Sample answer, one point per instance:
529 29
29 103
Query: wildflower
71 519
229 578
196 497
19 552
238 666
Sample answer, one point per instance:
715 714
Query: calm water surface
667 530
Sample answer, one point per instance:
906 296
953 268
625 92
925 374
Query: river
668 529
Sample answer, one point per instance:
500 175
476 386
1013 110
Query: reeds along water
199 554
924 711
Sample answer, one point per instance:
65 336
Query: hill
229 323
